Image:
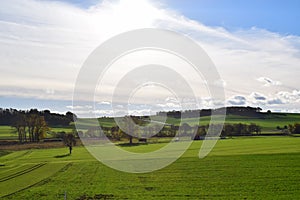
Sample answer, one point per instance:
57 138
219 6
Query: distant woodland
241 111
33 125
9 117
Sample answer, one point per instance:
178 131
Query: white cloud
104 103
79 107
107 113
268 82
44 43
258 97
282 101
275 101
221 83
289 97
237 100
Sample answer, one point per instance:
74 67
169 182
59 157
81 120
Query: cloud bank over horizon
45 43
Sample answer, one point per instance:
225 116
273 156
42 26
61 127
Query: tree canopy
9 116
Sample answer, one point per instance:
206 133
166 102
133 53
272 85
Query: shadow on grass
4 152
295 135
131 145
62 156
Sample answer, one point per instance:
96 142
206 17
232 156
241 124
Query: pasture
238 168
7 133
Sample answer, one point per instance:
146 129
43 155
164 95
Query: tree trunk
70 149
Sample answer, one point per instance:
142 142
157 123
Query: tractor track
41 182
25 171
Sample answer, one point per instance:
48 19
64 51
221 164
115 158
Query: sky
255 46
275 16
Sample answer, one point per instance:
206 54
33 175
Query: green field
238 168
268 124
7 133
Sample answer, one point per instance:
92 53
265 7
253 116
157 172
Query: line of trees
8 116
230 130
234 110
117 133
30 127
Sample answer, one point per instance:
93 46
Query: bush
295 128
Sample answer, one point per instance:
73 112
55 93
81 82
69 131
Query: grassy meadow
7 133
257 167
238 168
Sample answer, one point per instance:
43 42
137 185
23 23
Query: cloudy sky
255 46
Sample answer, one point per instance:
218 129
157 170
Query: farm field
238 168
61 129
7 133
268 124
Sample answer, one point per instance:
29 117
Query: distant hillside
268 120
241 111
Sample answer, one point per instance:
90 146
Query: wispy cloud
44 44
237 101
268 82
275 101
258 97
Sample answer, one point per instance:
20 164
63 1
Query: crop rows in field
24 178
19 172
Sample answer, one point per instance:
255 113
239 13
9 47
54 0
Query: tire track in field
25 171
46 180
12 159
24 154
63 168
66 161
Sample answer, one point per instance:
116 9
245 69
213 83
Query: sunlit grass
238 168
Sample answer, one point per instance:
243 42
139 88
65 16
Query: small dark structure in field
144 140
53 140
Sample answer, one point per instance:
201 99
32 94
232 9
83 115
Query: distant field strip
7 133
